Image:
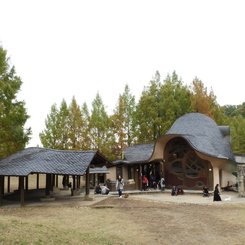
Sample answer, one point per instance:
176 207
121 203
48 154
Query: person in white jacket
119 185
105 190
162 184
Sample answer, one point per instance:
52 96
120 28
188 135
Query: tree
175 98
240 110
122 120
148 112
100 126
238 134
129 114
67 127
201 100
62 126
75 125
86 143
160 105
13 115
51 136
229 109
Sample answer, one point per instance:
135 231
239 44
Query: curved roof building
194 153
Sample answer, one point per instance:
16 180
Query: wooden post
87 182
57 181
8 184
21 189
37 181
140 176
48 180
26 182
2 185
87 188
74 182
1 189
52 182
78 181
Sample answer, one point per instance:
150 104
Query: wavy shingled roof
199 130
203 134
42 160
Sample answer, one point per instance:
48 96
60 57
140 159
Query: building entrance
183 167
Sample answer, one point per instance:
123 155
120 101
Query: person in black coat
217 193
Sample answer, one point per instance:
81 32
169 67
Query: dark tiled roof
138 153
42 160
203 134
102 170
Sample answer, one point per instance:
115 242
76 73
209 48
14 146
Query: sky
62 49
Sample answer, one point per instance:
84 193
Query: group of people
217 195
145 183
177 190
152 183
104 190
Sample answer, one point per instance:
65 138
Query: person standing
162 183
217 193
145 183
119 185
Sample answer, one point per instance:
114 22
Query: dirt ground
157 222
144 219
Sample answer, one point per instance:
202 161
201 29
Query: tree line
75 127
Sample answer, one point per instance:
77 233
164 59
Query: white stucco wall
227 176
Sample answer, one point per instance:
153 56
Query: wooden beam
2 185
27 186
87 182
22 192
37 181
52 182
48 182
57 180
78 181
87 198
8 184
140 176
74 182
1 189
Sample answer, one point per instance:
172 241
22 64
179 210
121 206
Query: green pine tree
13 115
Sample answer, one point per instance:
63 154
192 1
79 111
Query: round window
199 184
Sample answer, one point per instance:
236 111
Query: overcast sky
65 48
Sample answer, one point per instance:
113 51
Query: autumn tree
63 126
86 143
122 120
201 100
102 138
75 126
13 115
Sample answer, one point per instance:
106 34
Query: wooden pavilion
52 163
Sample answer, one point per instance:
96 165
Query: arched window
183 160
